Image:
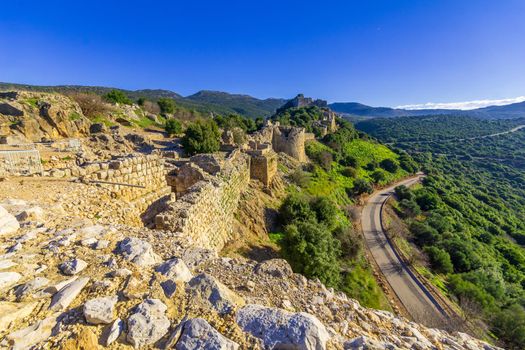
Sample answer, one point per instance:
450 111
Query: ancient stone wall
263 162
139 179
205 213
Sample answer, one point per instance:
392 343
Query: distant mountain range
353 109
225 103
203 101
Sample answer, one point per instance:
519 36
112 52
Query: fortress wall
205 213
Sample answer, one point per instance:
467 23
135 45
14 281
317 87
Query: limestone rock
148 323
67 294
198 334
365 343
7 279
112 332
31 214
281 329
138 251
58 286
73 267
30 287
175 269
274 267
5 264
11 312
210 291
32 335
100 310
8 223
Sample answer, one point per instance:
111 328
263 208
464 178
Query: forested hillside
467 219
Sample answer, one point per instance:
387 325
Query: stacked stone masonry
205 213
145 172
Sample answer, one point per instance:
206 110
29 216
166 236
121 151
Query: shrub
427 200
361 186
141 101
201 137
423 234
91 105
166 105
300 178
378 176
311 250
295 208
409 208
349 172
151 107
325 211
118 96
509 324
402 192
389 165
439 260
349 160
173 127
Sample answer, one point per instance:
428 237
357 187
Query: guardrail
23 162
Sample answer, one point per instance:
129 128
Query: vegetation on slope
467 219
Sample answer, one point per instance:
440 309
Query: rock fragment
138 251
198 334
148 323
32 335
279 329
207 289
112 332
8 279
73 267
67 294
8 223
100 310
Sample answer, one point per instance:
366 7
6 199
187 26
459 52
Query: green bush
295 208
118 96
313 251
173 127
439 260
201 137
325 212
389 165
409 208
378 176
166 105
509 324
423 234
361 186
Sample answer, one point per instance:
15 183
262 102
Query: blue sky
375 52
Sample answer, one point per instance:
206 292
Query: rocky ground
77 271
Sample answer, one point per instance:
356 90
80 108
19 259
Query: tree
166 105
173 127
201 137
118 96
313 251
389 165
427 200
509 324
409 208
402 192
362 186
439 260
141 100
349 160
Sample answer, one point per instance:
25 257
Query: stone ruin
263 162
287 139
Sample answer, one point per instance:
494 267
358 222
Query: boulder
207 289
9 110
8 279
5 264
274 267
198 334
175 269
97 128
67 294
8 223
100 310
138 251
32 335
279 329
148 323
73 267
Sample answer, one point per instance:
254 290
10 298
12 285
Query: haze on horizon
381 53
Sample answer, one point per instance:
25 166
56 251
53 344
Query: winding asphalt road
419 303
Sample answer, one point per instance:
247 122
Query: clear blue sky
375 52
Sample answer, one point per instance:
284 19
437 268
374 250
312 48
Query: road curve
414 296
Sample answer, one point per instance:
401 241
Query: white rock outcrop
100 310
205 288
